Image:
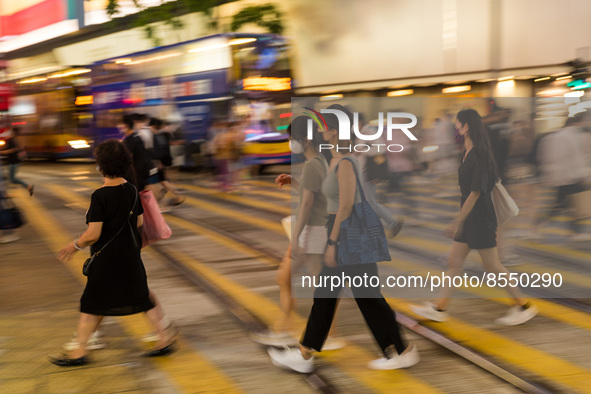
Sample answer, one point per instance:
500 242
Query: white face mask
296 147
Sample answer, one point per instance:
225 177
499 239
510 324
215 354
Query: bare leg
286 302
492 263
157 306
171 189
455 263
156 189
86 326
164 338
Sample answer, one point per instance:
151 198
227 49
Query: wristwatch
330 242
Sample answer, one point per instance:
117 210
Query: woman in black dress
475 227
117 283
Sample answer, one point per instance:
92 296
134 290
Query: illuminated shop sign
146 92
266 84
83 100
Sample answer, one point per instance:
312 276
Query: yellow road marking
260 183
240 216
197 229
549 362
557 250
240 199
507 350
285 195
180 367
351 359
553 311
548 309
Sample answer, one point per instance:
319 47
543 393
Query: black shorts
478 235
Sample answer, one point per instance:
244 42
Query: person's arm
8 151
89 237
468 206
285 179
15 147
479 183
347 187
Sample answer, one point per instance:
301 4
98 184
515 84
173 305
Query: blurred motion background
70 69
222 75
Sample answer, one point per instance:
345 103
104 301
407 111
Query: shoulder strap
359 186
123 226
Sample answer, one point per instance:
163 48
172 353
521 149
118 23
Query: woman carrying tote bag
475 226
342 191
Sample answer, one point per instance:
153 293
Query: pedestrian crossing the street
230 245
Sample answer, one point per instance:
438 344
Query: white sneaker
271 338
9 238
93 343
428 310
291 359
404 360
334 344
517 315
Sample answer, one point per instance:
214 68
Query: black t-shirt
474 175
142 163
12 158
111 205
161 149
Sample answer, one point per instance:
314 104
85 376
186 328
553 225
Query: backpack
161 149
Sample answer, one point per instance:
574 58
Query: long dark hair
479 136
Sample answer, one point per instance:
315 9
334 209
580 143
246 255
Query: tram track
510 375
426 255
248 320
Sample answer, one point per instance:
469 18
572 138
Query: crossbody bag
90 260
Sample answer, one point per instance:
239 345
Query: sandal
65 361
164 351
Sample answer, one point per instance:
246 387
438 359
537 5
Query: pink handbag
155 227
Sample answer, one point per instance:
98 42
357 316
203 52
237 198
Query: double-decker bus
53 114
6 92
195 83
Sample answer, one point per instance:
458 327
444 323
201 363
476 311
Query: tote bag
505 206
362 239
155 227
